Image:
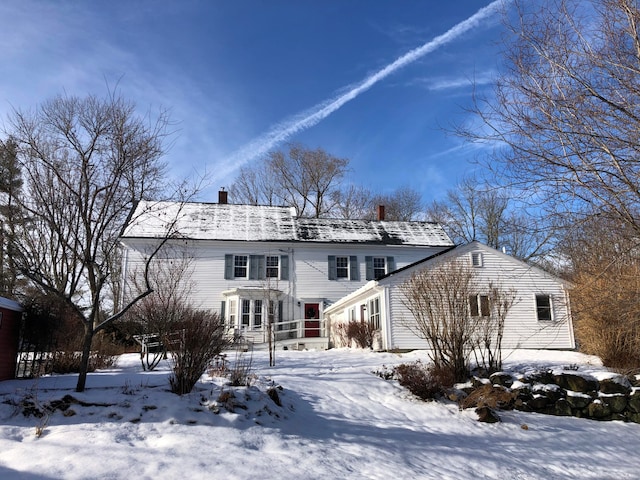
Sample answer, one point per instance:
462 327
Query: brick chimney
380 213
222 197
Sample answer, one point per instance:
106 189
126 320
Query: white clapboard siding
522 328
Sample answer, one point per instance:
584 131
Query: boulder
616 403
562 408
578 401
538 403
501 378
634 401
617 384
487 415
598 410
576 383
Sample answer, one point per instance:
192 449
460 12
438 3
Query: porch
302 334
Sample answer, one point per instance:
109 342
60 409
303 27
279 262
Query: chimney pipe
380 213
222 197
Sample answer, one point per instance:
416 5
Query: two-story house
259 264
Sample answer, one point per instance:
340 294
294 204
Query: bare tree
404 204
352 202
477 211
255 185
457 316
438 299
565 111
307 178
160 312
86 162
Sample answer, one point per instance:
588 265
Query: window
378 267
246 312
256 267
342 267
273 266
257 314
543 308
232 313
240 266
479 306
374 313
476 259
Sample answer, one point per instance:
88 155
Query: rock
478 382
576 383
632 417
598 410
618 384
562 408
456 395
617 403
538 402
634 401
273 395
578 401
501 378
487 415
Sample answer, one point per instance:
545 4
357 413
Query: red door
311 319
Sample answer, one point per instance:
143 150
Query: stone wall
564 393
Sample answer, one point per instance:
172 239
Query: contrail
307 119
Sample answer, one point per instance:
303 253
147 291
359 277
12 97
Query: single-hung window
246 312
342 267
543 308
273 263
479 306
240 266
374 313
379 267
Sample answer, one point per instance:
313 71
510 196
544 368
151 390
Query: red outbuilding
10 313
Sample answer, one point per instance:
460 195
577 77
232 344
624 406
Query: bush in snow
199 338
426 382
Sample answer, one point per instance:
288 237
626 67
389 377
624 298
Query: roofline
426 259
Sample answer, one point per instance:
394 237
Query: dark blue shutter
391 264
280 311
333 268
228 267
222 311
354 269
256 267
284 267
369 267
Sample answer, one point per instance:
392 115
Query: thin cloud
286 129
452 83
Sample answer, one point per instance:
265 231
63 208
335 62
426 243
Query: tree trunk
84 363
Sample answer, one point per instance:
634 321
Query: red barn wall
9 331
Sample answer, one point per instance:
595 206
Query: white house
539 318
255 264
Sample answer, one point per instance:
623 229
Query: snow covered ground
337 420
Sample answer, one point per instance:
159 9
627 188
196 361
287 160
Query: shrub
200 338
362 333
426 382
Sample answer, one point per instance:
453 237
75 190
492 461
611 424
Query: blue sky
239 76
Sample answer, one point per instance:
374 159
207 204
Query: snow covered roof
215 221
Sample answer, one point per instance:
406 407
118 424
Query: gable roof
459 250
251 223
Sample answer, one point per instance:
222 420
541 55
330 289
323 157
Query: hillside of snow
336 419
